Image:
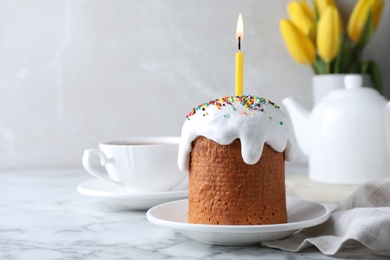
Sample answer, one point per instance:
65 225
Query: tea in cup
147 164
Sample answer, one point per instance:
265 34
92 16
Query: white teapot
346 136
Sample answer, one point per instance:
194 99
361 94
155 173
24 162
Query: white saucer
132 200
301 214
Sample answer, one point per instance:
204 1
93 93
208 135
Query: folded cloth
364 217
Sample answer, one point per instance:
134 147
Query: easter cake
234 149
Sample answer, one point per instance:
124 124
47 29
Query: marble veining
43 217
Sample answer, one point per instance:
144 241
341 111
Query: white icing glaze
255 122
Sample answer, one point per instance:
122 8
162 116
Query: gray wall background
77 72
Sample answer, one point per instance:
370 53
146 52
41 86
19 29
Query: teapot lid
355 91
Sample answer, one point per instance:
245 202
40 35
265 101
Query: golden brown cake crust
224 190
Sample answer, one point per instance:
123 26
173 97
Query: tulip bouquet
317 36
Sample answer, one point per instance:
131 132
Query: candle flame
240 28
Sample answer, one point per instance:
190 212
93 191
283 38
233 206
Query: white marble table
42 216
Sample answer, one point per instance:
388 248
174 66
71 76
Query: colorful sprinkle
249 102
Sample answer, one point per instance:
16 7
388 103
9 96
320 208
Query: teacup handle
103 161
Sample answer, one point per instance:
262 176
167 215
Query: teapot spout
300 119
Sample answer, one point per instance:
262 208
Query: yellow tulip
300 47
308 10
329 34
360 14
322 5
301 19
376 12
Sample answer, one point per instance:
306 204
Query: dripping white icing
254 120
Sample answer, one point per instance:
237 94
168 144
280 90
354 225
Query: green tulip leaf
365 67
316 16
370 67
342 59
320 66
368 31
355 60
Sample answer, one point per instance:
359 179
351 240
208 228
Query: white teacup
146 164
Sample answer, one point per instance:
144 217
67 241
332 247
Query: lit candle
239 57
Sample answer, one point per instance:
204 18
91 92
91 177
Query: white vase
323 84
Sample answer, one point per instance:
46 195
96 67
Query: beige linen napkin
363 217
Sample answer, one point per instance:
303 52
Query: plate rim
128 195
238 228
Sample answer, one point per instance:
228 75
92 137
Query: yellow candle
239 58
239 72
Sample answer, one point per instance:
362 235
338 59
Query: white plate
301 214
132 200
